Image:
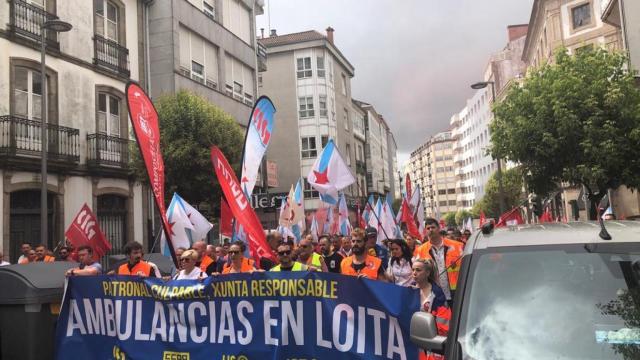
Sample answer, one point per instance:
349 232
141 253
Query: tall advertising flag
259 132
240 207
144 119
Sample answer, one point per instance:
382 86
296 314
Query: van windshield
552 302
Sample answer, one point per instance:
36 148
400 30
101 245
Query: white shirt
195 274
443 278
400 272
4 263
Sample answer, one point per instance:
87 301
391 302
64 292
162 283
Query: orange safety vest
204 264
47 258
370 270
452 259
141 267
245 266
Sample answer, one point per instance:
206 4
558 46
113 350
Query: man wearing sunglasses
308 256
446 253
286 260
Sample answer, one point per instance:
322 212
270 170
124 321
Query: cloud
414 59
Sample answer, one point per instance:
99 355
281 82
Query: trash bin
29 307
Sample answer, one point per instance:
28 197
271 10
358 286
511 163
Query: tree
513 195
461 216
189 125
449 219
575 121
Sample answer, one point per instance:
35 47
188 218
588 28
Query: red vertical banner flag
240 207
226 218
408 186
412 228
144 119
84 230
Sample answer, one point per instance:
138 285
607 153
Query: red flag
226 218
144 119
483 218
408 186
412 228
361 223
511 217
84 230
240 207
546 216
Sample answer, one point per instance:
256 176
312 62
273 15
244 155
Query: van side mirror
424 332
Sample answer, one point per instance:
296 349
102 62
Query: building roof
292 38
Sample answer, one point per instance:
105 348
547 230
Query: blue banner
286 315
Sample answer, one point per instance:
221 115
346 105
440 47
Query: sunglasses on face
430 227
284 253
232 252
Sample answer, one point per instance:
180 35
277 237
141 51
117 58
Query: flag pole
376 215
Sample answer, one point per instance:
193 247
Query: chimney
261 33
273 33
330 34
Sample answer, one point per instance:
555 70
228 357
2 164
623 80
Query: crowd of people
431 266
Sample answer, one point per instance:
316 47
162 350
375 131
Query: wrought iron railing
26 20
105 150
22 137
111 55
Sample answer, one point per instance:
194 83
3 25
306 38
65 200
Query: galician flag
299 228
387 227
375 215
368 208
343 211
330 174
180 227
292 212
314 228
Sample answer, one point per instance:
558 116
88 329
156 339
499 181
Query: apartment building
376 151
87 119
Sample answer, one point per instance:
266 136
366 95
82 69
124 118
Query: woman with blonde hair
189 270
432 298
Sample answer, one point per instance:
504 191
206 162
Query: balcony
111 55
262 56
107 154
26 19
21 143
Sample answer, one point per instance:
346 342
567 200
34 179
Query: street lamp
57 26
478 86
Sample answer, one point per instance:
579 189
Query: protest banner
302 315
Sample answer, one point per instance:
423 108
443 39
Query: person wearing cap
361 264
374 249
189 269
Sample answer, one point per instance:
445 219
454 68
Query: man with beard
361 264
286 261
135 265
309 257
331 257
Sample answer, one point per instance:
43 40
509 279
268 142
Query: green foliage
189 125
449 219
574 121
397 203
490 202
461 216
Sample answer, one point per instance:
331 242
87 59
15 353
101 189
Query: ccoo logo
118 354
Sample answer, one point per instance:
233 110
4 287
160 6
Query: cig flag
85 230
330 174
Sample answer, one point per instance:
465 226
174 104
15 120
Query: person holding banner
308 256
286 260
238 263
87 267
135 265
361 264
189 269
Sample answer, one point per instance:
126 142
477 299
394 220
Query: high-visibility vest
314 260
245 266
204 263
296 267
370 270
452 259
142 266
47 258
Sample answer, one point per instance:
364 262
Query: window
452 203
303 67
320 66
442 192
27 93
442 203
309 192
346 119
344 85
108 114
348 151
324 140
237 18
309 150
106 19
208 8
198 58
451 191
239 80
322 105
581 15
306 107
260 80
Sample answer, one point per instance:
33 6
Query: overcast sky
414 59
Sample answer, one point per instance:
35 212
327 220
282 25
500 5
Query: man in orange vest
360 263
135 265
446 253
206 264
238 263
41 254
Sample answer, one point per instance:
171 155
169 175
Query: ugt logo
118 354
